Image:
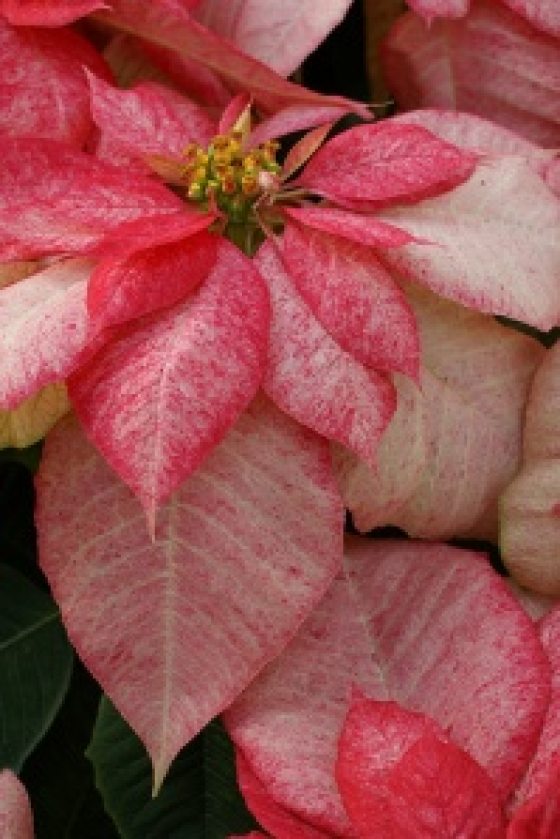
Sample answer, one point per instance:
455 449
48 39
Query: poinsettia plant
228 337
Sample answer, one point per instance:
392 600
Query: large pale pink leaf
166 24
490 63
353 297
530 507
43 90
281 823
122 289
159 397
43 329
375 496
280 35
311 378
16 819
431 479
147 119
475 250
400 775
386 162
411 622
74 201
47 12
174 629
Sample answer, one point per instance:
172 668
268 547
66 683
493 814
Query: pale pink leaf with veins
311 378
164 392
16 818
174 629
411 622
530 506
280 35
491 63
44 331
475 243
431 479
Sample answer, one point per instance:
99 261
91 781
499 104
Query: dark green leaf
35 666
28 457
199 799
58 776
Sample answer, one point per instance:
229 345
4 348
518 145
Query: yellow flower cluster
227 175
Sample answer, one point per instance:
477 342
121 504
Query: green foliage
58 776
35 662
198 800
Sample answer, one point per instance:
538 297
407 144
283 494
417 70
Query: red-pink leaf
47 12
430 9
545 14
479 135
44 329
123 289
475 243
174 629
146 232
297 118
280 35
400 775
353 297
366 230
74 201
430 478
16 819
411 622
539 816
280 822
386 162
304 148
491 63
311 378
544 770
160 397
166 24
43 90
146 119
